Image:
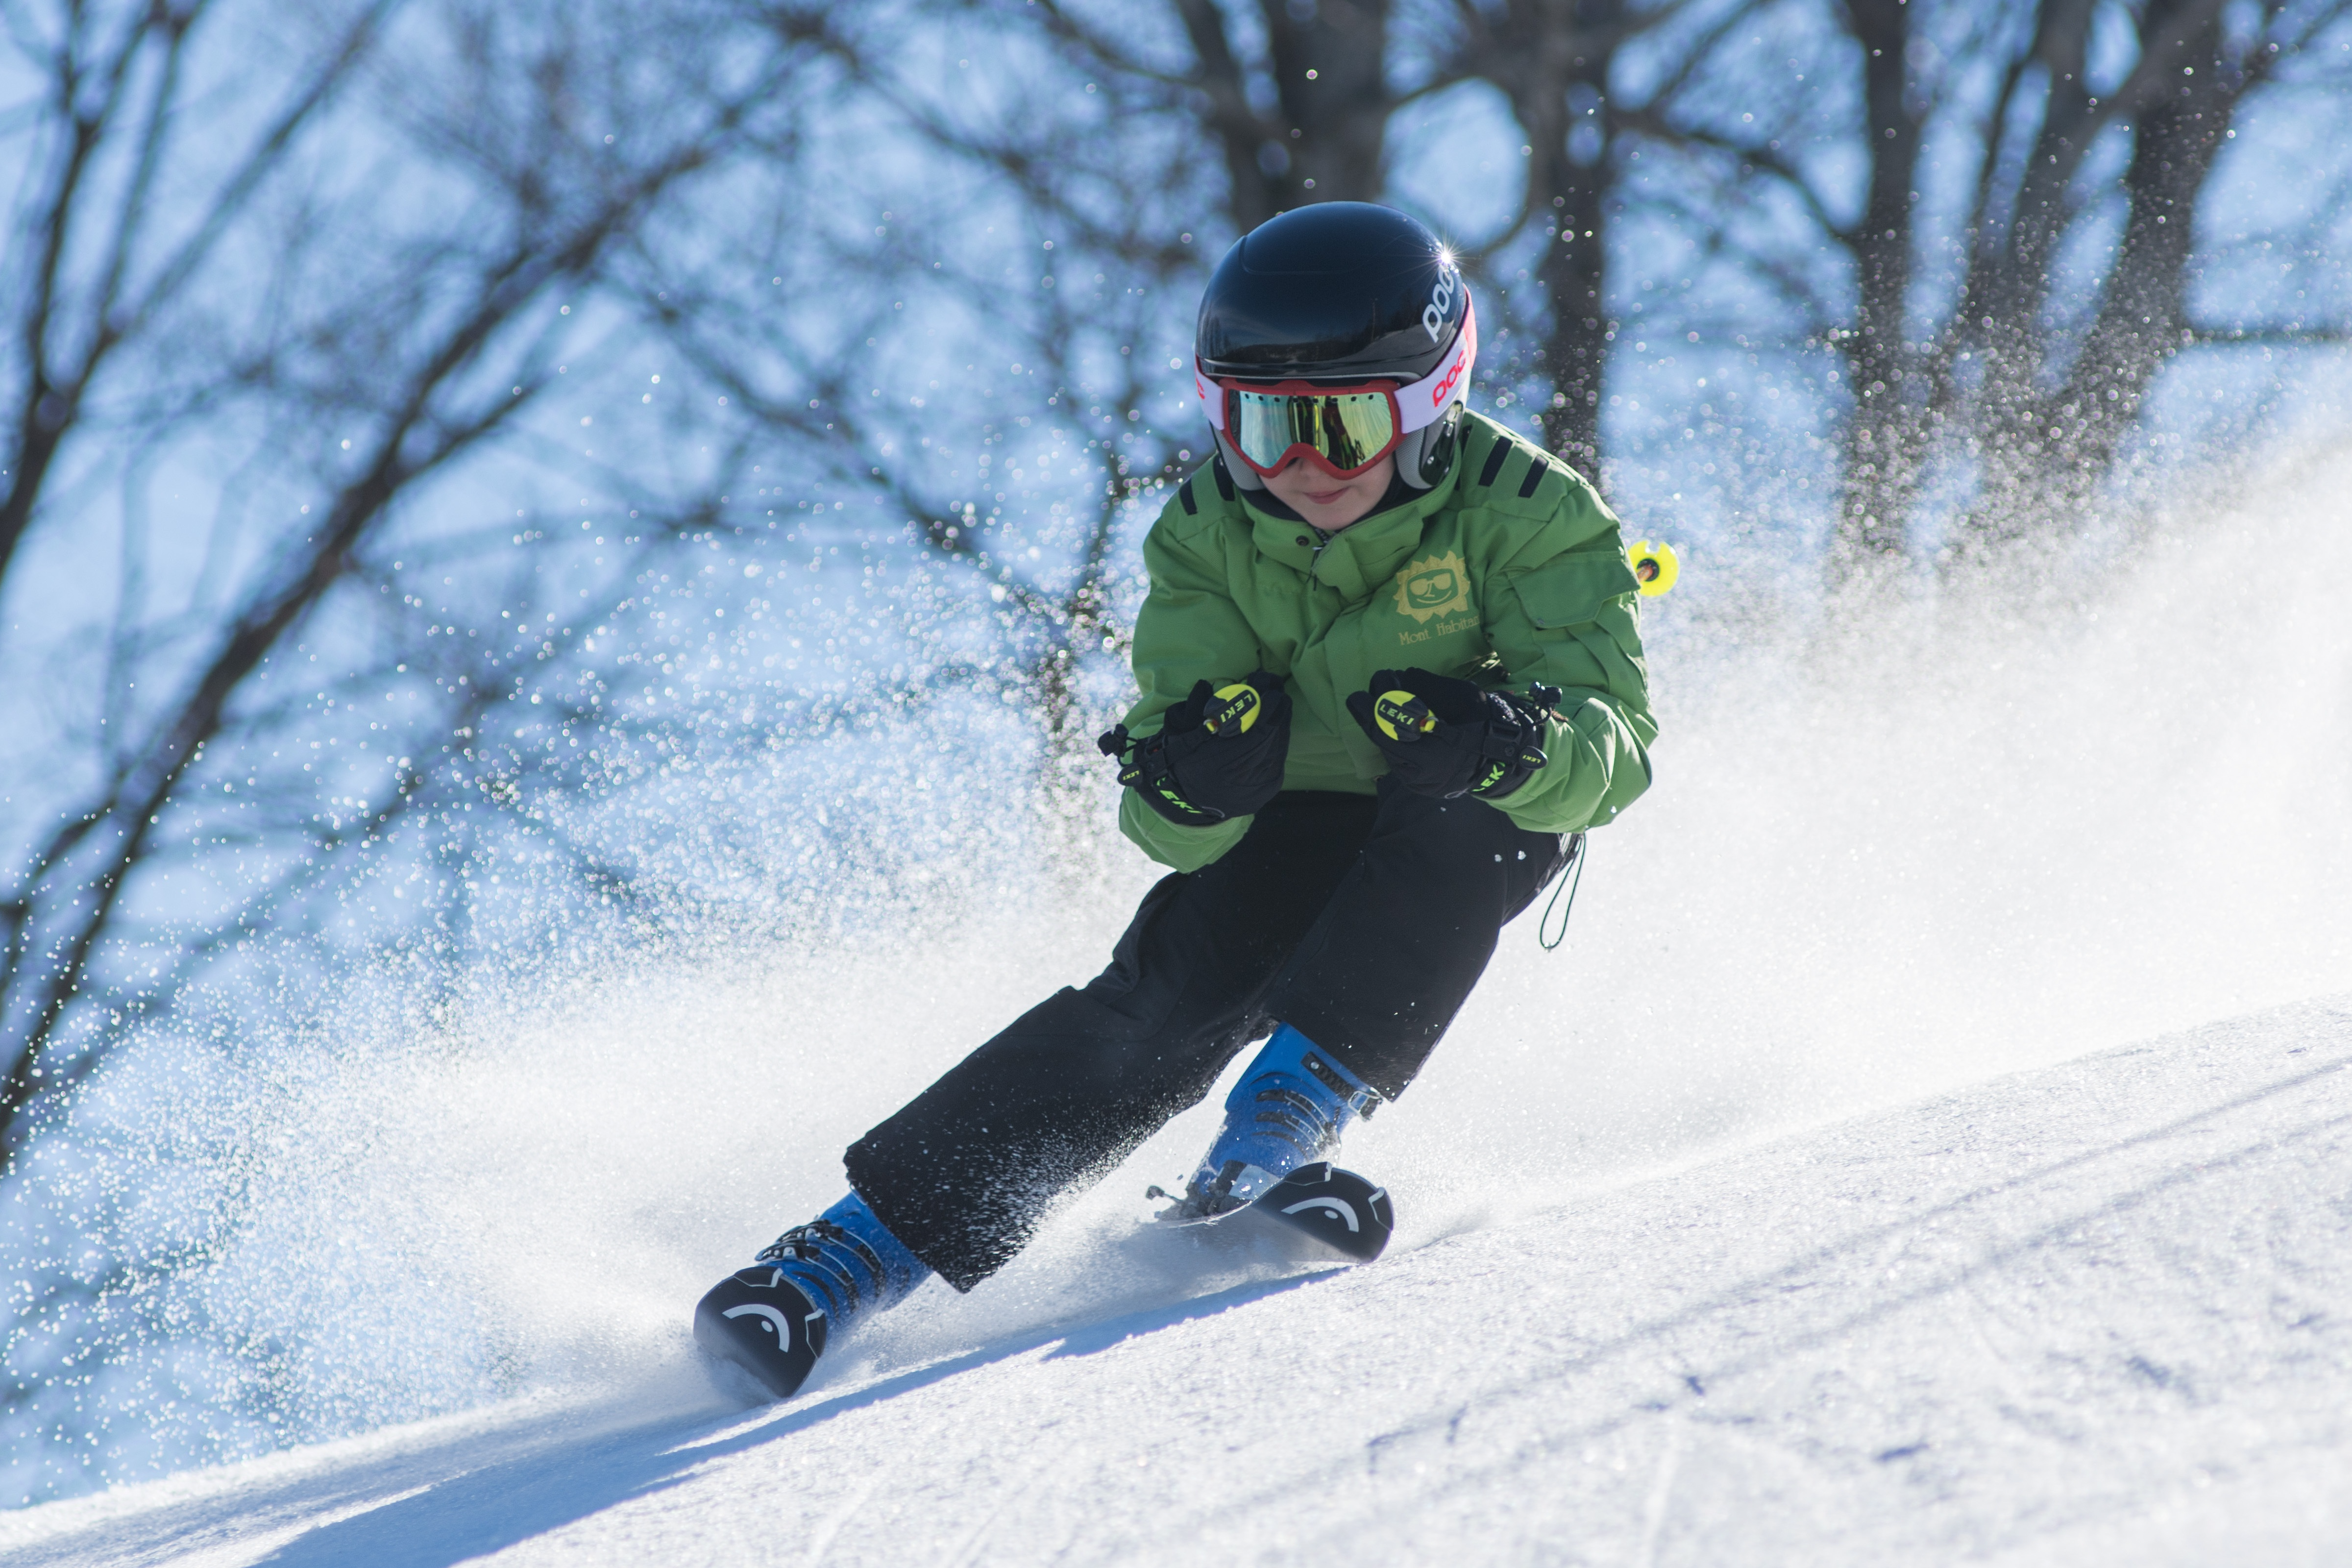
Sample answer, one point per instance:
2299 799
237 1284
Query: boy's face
1328 503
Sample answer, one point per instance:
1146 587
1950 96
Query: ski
1317 1211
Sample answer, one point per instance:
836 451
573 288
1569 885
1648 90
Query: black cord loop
1576 858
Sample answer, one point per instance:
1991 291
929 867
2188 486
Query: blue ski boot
1289 1109
774 1318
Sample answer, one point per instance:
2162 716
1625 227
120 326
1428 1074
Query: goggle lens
1350 430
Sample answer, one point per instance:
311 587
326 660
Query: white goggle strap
1418 405
1212 395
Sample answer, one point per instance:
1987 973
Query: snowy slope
2100 1312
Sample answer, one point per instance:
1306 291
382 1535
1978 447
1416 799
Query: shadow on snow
510 1499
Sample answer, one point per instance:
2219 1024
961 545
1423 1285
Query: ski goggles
1344 430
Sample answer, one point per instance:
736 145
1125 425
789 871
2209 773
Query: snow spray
1881 857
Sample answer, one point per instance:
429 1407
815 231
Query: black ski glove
1218 753
1447 737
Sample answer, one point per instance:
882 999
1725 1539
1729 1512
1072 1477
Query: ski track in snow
2100 1312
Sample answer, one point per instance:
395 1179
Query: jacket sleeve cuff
1597 767
1178 848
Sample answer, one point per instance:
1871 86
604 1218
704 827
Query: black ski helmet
1337 293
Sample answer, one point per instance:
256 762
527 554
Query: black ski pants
1362 921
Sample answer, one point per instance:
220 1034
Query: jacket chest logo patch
1437 587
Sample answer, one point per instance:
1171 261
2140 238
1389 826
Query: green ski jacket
1509 571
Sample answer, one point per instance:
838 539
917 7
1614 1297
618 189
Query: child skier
1433 621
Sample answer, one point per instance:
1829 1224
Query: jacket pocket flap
1570 590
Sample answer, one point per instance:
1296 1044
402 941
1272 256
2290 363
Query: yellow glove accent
1237 704
1401 709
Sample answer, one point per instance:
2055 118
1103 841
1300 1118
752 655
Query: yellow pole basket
1655 564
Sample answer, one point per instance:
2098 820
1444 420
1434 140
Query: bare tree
1324 137
1554 60
1295 102
1746 107
1036 263
300 317
297 313
2061 390
2037 392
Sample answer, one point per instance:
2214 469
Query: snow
2092 1312
1724 1237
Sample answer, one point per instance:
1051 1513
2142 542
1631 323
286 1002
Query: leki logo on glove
1438 586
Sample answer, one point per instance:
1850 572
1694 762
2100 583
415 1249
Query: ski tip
1338 1210
762 1326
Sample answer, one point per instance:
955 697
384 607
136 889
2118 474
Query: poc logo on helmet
1441 304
